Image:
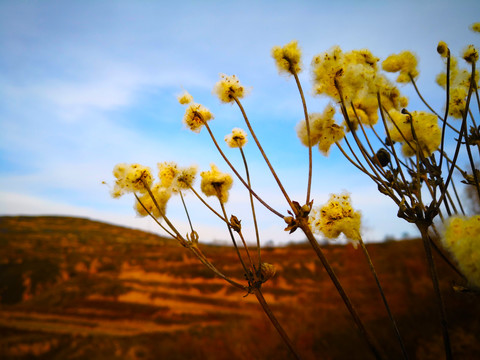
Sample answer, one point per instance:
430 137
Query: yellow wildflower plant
470 54
184 178
354 78
131 178
167 171
288 58
196 116
336 217
442 49
390 95
459 86
327 67
237 138
216 183
457 102
428 133
462 239
323 130
161 195
185 98
475 27
405 63
364 110
353 72
359 74
228 88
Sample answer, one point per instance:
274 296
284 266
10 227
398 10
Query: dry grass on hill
78 289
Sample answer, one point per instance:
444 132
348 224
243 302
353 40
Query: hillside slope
78 289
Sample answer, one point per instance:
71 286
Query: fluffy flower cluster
462 239
237 138
428 134
196 116
336 217
228 88
167 171
184 179
405 63
475 27
185 98
354 77
459 85
161 195
288 58
216 183
175 178
470 54
442 49
350 73
137 178
131 178
323 130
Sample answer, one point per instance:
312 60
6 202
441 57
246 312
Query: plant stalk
274 321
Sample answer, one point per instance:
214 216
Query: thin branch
238 175
272 170
307 122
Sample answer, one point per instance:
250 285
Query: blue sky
88 84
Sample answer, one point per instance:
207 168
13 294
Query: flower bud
235 223
443 49
382 157
268 271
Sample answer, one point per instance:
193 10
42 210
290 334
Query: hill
74 288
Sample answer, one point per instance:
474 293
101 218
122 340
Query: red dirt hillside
74 288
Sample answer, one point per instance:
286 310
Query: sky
85 85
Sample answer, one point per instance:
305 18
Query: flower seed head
442 49
288 58
237 138
216 183
228 88
470 54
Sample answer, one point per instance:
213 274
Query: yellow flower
441 80
427 131
161 194
366 111
459 86
390 96
404 62
354 78
470 54
323 130
185 98
288 58
167 171
462 239
457 102
216 183
237 138
336 217
458 77
327 68
475 27
442 49
228 88
196 116
131 178
184 179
